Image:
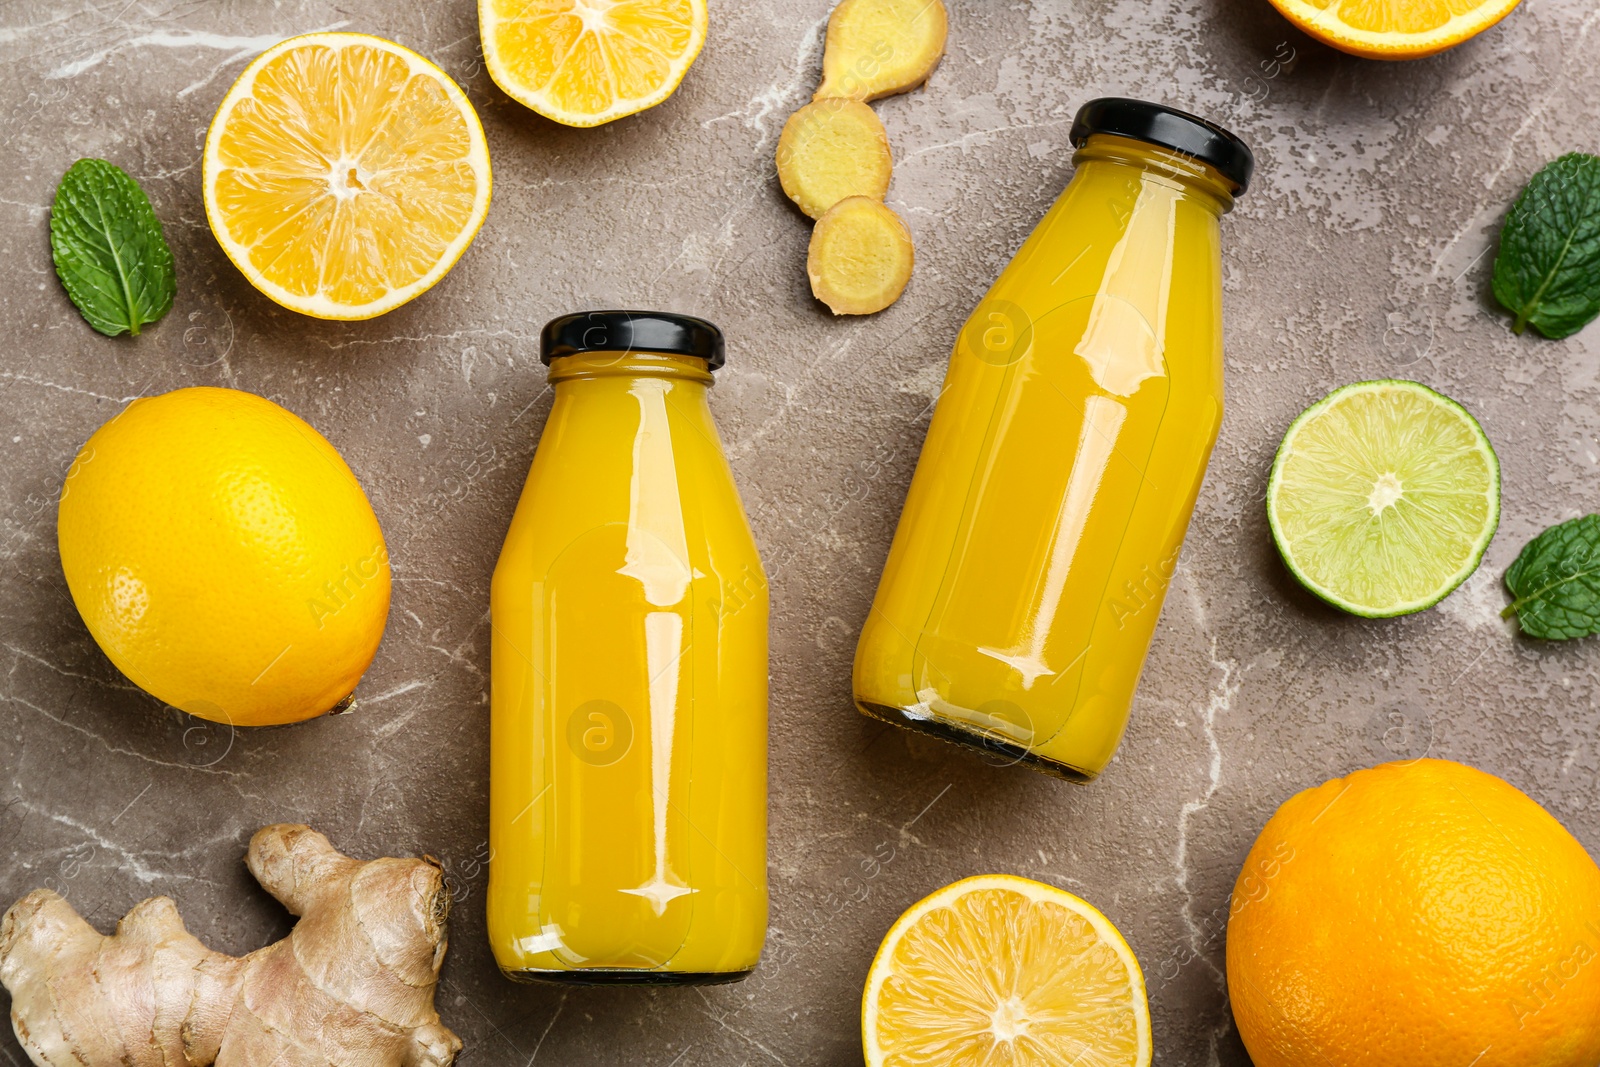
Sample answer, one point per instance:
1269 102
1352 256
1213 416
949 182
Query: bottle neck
588 366
1198 180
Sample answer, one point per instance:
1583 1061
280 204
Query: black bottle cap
1168 127
631 331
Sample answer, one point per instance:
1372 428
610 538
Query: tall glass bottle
628 760
1063 460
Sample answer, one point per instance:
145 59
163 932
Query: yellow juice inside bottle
628 691
1061 467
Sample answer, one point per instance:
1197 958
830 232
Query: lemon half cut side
1394 29
588 62
1002 971
345 174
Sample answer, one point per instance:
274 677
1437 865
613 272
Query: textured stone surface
1363 251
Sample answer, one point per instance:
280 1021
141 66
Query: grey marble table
1362 251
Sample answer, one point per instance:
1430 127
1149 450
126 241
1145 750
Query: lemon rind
319 305
1037 892
538 101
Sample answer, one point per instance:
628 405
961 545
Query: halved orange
344 174
1394 29
587 62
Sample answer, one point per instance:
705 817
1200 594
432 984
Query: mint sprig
109 250
1556 581
1547 272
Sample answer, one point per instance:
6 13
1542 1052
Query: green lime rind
1383 498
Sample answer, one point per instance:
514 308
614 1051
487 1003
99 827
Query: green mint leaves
108 249
1556 581
1547 271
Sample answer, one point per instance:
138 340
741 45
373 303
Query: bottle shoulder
1107 213
666 485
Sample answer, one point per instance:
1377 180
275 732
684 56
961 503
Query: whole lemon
224 557
1420 913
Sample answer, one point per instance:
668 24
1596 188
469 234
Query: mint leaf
1556 581
1547 271
108 249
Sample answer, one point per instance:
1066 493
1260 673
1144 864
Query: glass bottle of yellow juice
1064 457
628 690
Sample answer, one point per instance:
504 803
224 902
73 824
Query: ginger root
833 156
881 47
352 985
861 257
832 149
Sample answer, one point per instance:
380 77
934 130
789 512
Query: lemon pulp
586 62
1394 29
345 174
1000 971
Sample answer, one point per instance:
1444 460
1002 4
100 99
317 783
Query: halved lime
1383 497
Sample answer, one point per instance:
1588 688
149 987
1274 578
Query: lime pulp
1383 497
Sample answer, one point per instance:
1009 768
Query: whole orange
1420 913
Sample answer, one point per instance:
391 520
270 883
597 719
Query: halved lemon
586 62
344 174
1394 29
1002 971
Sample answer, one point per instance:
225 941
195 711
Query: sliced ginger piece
860 258
831 149
881 47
